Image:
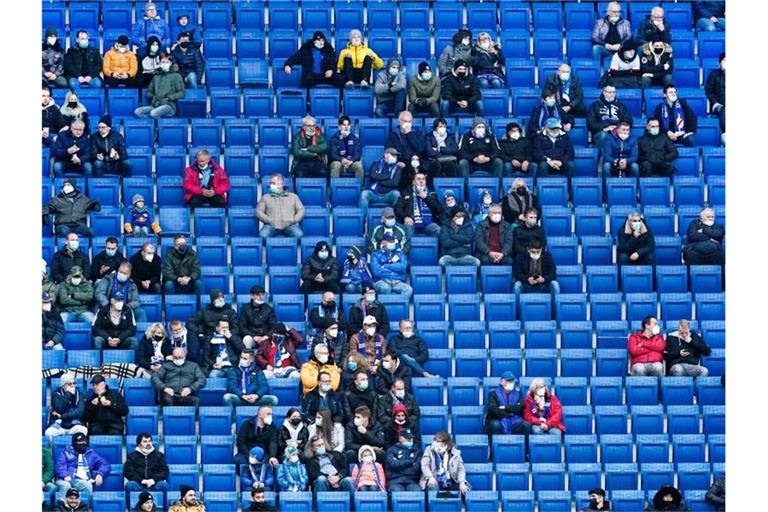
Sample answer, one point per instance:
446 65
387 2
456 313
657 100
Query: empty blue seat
675 306
470 362
217 450
433 420
77 358
580 448
430 279
611 419
636 278
576 362
520 72
647 419
548 477
660 220
209 222
564 251
571 306
709 391
671 279
689 190
545 449
606 390
467 419
179 421
621 191
557 221
683 419
428 392
471 334
434 334
108 500
605 307
716 448
463 307
535 307
579 16
668 250
590 221
547 43
77 336
553 191
616 449
642 390
611 362
217 476
640 305
602 279
714 161
715 362
654 191
429 307
291 102
688 448
710 306
461 279
474 449
621 476
570 278
587 191
677 390
576 335
282 251
655 475
541 362
142 419
508 449
517 501
540 334
284 280
706 278
578 420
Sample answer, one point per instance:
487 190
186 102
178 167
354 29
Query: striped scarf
677 114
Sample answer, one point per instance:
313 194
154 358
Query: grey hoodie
387 85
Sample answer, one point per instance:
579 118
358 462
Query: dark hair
530 210
652 119
437 123
647 320
399 379
345 118
461 34
222 320
722 56
391 353
111 240
547 92
163 55
46 88
669 86
142 436
624 123
512 125
534 244
248 352
321 374
80 32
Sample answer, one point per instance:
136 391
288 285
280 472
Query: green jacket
165 89
73 298
47 466
175 266
314 151
418 88
49 287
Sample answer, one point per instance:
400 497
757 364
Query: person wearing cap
142 220
52 120
388 226
222 349
318 363
187 501
494 239
482 207
370 342
165 89
442 152
308 148
460 48
385 177
677 117
53 325
604 115
82 63
115 325
624 71
120 281
72 151
656 151
181 269
105 409
187 56
345 152
108 151
256 318
183 24
715 89
256 474
320 271
178 380
487 61
553 150
48 286
597 500
146 267
535 271
569 93
424 91
543 410
365 307
460 92
317 59
548 108
504 408
479 151
53 59
610 32
257 431
107 261
356 61
205 182
75 297
516 152
410 145
280 211
389 89
656 62
325 314
403 464
667 498
456 238
67 409
646 349
151 24
80 467
355 273
291 474
620 153
120 65
389 265
146 503
72 503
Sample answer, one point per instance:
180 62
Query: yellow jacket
358 54
311 369
116 62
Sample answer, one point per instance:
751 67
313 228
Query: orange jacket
116 62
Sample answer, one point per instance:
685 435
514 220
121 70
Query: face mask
407 334
83 44
121 277
319 44
550 102
485 45
426 76
636 225
386 364
323 358
154 48
149 257
320 451
708 223
514 135
553 133
333 333
400 394
368 459
359 422
450 203
394 71
407 444
74 245
653 131
80 448
47 306
391 160
520 190
68 189
165 66
541 393
390 222
371 297
295 421
253 460
118 306
614 19
244 363
629 55
480 133
363 385
158 337
319 421
461 74
274 189
415 163
184 45
72 103
623 136
326 388
536 256
442 131
309 132
509 388
268 420
439 447
182 248
655 330
722 65
351 365
496 218
459 221
344 133
465 41
530 222
370 331
51 41
76 281
658 51
565 77
356 42
405 126
71 389
219 304
179 362
323 255
293 459
672 98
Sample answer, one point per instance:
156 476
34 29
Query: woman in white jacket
442 467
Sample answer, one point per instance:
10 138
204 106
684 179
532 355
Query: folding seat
715 362
621 191
291 307
109 500
470 362
606 390
295 501
579 16
467 419
474 449
714 161
291 102
243 221
579 46
706 278
611 362
587 191
401 500
383 39
77 336
482 17
426 280
217 477
284 280
575 335
428 392
570 278
693 476
709 390
675 306
554 500
416 45
683 419
109 447
506 359
640 305
429 307
654 191
610 419
602 279
461 279
708 133
122 102
642 390
616 449
576 362
171 161
689 190
471 334
637 278
655 475
315 16
606 307
586 161
716 448
206 132
580 449
621 476
142 419
541 362
312 191
433 419
513 501
77 358
108 221
545 449
710 306
508 449
54 15
578 420
564 251
462 307
547 43
316 223
413 15
553 191
677 390
217 450
104 190
282 15
548 477
671 279
325 102
711 44
540 334
647 419
524 100
179 421
448 16
668 250
84 16
571 306
358 103
397 306
535 307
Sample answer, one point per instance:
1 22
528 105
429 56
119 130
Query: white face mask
459 221
149 257
359 422
325 388
356 41
386 364
407 334
368 459
623 136
179 362
479 133
319 44
565 77
442 131
655 329
370 331
322 358
439 447
165 66
415 163
68 189
536 256
51 40
636 225
672 98
319 421
465 41
333 333
267 420
391 159
406 125
400 394
77 280
47 306
496 218
708 223
485 45
118 306
514 135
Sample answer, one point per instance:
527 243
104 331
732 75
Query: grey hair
354 32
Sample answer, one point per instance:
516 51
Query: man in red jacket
646 349
205 182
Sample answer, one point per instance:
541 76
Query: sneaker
428 375
363 84
349 85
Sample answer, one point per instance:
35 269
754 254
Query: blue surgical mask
426 76
352 366
323 255
390 222
273 189
111 252
550 102
320 451
653 131
364 385
408 444
83 44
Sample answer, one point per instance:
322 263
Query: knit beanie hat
106 119
257 452
136 198
356 251
423 66
458 63
144 497
215 294
51 31
65 379
317 36
184 489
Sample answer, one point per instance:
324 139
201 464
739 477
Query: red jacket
651 351
292 340
192 181
532 415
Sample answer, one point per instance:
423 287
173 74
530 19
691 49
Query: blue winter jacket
284 480
66 463
62 404
247 479
616 149
384 268
144 28
356 274
65 140
403 465
258 382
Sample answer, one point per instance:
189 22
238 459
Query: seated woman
543 410
487 61
636 242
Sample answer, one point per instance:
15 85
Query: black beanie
106 119
122 39
144 497
423 66
184 489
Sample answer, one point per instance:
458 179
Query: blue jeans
59 168
568 169
154 112
610 170
233 400
100 343
495 83
292 231
191 80
77 316
390 286
447 260
598 138
495 427
431 229
80 485
495 167
95 83
447 108
80 229
120 168
394 105
132 486
599 51
322 485
218 373
353 288
535 429
510 170
520 287
369 196
412 364
50 492
195 287
414 487
706 25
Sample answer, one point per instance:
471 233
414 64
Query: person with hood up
327 470
178 381
636 242
460 49
424 91
67 409
70 210
487 61
716 493
181 269
72 151
683 352
114 327
256 318
154 348
646 349
257 473
396 423
494 239
505 407
518 200
356 61
280 211
654 26
355 274
667 498
456 239
149 61
442 152
53 60
291 474
460 92
597 501
108 151
205 182
187 56
704 242
145 468
389 266
188 501
442 467
325 314
516 152
610 32
105 409
624 71
146 503
385 177
368 475
553 150
53 325
309 149
403 464
75 296
142 220
149 26
165 89
656 151
543 410
656 63
52 120
319 363
257 431
479 151
276 354
82 63
325 426
677 118
247 384
72 503
120 65
317 59
569 92
345 153
183 24
482 207
79 467
389 89
293 433
320 271
363 430
545 110
604 115
535 271
620 153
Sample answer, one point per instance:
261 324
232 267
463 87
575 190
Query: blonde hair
151 329
536 384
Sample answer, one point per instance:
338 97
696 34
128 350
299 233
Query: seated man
516 152
569 92
553 151
358 393
105 409
308 148
82 63
704 244
410 146
369 343
335 339
186 55
368 306
504 408
646 349
610 32
317 364
546 109
412 349
329 310
151 24
223 351
320 271
317 59
715 89
535 272
479 152
52 119
396 395
70 255
389 89
53 60
418 210
72 151
203 324
327 470
53 325
656 63
115 325
165 89
389 266
385 180
403 464
187 500
636 245
322 397
683 352
709 15
345 153
181 269
145 468
146 266
392 368
456 239
424 91
355 274
356 61
460 92
107 261
494 239
529 230
280 211
362 430
120 65
656 151
67 409
677 118
71 501
256 318
604 115
75 297
120 281
178 381
108 151
620 153
276 354
654 25
79 467
179 337
257 431
205 182
388 226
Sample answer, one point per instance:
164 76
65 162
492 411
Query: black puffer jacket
304 56
140 467
146 271
106 416
82 62
513 204
519 149
602 114
385 378
313 265
358 313
471 146
628 244
203 323
414 346
716 87
524 235
64 260
256 319
104 145
53 327
354 398
467 88
190 61
656 148
696 348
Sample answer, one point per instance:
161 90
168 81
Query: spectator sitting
105 409
396 424
487 61
72 110
516 152
520 199
309 149
543 410
280 211
460 92
656 151
291 474
75 296
205 182
709 15
327 470
256 318
320 271
418 209
257 431
610 32
597 500
107 261
482 207
356 61
317 59
120 65
667 498
67 409
317 364
72 502
370 342
277 353
186 55
52 119
494 239
442 467
403 464
141 218
223 350
179 338
392 368
108 151
704 245
654 26
187 502
331 432
624 71
368 306
47 285
368 475
178 381
322 396
683 352
154 348
505 408
677 118
115 325
72 151
82 63
181 269
604 115
385 180
353 363
165 89
715 89
569 92
182 25
292 435
120 281
424 91
535 271
360 393
355 274
152 24
345 152
646 349
636 243
389 89
455 240
460 49
412 349
389 266
442 151
149 61
325 313
80 467
553 150
145 468
388 226
257 474
362 430
656 64
547 109
620 153
479 151
247 384
396 395
53 60
716 493
409 144
53 325
146 267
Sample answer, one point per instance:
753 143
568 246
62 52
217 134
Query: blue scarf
678 114
441 474
254 468
317 61
565 88
346 146
117 286
546 113
422 215
205 177
507 400
545 412
392 171
245 378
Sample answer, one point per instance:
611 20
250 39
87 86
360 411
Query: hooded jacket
456 240
456 88
385 378
148 61
251 435
292 340
104 328
559 149
696 348
554 418
656 148
165 89
359 311
628 244
389 265
575 90
280 210
104 145
176 265
506 237
189 60
53 58
648 63
257 319
387 85
189 375
66 463
70 406
602 114
310 371
145 27
203 323
75 299
82 62
313 265
362 475
658 504
403 465
142 270
456 468
514 204
304 57
109 417
645 350
53 327
615 149
415 347
354 440
105 288
288 433
600 30
716 87
139 466
287 481
428 90
193 185
120 62
65 140
358 55
648 31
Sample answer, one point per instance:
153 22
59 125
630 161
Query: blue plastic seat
471 334
534 307
470 362
541 362
428 392
540 334
714 161
610 419
710 306
715 362
179 421
576 362
602 279
77 358
463 307
709 391
467 419
575 335
282 251
564 251
517 501
621 191
579 16
434 334
636 278
315 16
109 500
474 449
217 476
325 102
571 306
508 449
461 279
675 306
587 191
409 501
358 103
616 449
570 278
520 72
548 477
716 448
580 449
547 43
668 250
677 390
606 390
284 280
142 419
209 222
640 305
706 278
621 476
217 450
433 419
578 420
553 191
545 449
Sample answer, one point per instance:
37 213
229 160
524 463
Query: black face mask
520 190
658 51
182 249
295 421
183 46
158 337
330 304
461 74
80 448
72 104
